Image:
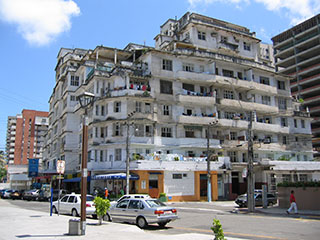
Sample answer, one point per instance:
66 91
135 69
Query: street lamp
208 161
85 100
130 115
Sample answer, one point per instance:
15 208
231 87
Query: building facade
166 106
25 140
297 54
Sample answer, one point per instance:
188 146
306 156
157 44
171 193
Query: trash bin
74 227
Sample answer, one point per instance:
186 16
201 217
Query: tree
3 170
102 205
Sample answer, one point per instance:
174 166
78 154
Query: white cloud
39 21
296 10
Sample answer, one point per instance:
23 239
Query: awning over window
77 179
120 176
19 177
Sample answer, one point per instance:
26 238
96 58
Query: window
305 158
147 107
233 156
117 154
139 130
229 115
176 176
189 133
116 129
148 131
224 39
282 103
266 100
281 85
96 155
227 94
284 140
284 122
264 80
117 107
295 123
166 87
246 46
123 204
74 81
201 68
188 67
101 155
189 87
227 73
166 110
201 35
233 136
102 110
303 124
97 110
286 177
138 106
303 177
102 132
166 132
190 154
167 64
73 98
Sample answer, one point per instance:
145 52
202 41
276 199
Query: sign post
60 169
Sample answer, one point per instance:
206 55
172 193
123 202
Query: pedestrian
293 203
106 193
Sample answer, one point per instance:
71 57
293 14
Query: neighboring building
25 139
195 89
297 54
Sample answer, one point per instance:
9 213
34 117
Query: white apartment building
194 90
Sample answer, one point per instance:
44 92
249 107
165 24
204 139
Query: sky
33 31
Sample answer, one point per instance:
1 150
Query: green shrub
102 205
217 230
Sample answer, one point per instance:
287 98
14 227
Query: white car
71 204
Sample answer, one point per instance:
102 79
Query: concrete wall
306 198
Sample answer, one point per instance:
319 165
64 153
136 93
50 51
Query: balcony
195 76
186 142
197 120
248 106
197 100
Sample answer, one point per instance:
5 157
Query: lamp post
85 100
208 162
128 153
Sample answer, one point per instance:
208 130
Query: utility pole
128 153
208 167
250 174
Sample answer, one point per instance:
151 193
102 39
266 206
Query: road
198 217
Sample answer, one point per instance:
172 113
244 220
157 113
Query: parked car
142 211
6 193
242 199
16 194
71 204
32 194
2 192
55 194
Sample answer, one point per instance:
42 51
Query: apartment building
168 104
25 139
297 54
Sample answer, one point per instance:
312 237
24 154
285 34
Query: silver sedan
142 212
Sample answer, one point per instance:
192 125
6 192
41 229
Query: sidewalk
18 223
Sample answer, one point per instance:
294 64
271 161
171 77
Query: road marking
200 209
233 234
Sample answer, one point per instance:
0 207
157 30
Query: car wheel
54 210
141 222
162 224
74 213
107 218
270 204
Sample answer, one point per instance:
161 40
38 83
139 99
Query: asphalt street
197 217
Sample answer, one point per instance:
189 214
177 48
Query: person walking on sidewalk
293 203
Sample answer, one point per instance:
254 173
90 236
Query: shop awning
77 179
120 176
19 177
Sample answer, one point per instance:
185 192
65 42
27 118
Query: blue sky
33 31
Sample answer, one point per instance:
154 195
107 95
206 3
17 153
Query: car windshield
155 203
